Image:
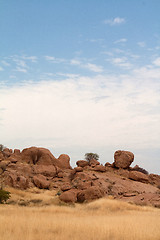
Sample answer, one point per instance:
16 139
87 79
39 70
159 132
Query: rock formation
37 167
123 159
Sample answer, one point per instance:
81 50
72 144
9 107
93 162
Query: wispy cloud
20 69
123 110
96 40
141 44
157 62
122 40
49 58
121 62
1 69
54 59
94 68
114 21
5 63
31 58
127 101
90 66
75 62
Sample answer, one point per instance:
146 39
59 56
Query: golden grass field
105 219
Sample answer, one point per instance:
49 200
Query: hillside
90 180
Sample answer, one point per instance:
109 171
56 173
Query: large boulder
17 151
48 171
82 163
1 156
41 182
93 162
154 179
123 159
90 193
99 168
138 176
42 156
69 196
64 161
15 180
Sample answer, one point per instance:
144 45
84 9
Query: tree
89 156
4 196
2 147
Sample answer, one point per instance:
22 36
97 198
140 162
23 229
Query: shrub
4 196
89 156
1 147
139 169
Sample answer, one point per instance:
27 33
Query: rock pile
88 181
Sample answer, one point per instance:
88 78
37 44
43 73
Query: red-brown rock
48 171
138 176
107 164
78 169
154 179
91 193
66 187
123 159
1 156
40 156
100 168
93 162
64 161
17 151
13 179
69 196
7 152
41 182
82 163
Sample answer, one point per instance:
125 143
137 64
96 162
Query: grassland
43 218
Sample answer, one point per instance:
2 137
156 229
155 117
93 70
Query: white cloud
75 62
97 40
122 40
49 58
115 21
54 60
5 63
121 62
19 69
66 111
1 69
113 112
31 58
20 62
94 67
141 44
157 62
90 66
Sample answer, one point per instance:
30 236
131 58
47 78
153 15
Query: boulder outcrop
138 176
123 159
90 180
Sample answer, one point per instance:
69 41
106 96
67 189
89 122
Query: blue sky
81 76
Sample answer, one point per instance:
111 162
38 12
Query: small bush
4 196
89 156
139 169
1 147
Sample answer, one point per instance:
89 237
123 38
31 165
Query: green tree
1 147
89 156
4 196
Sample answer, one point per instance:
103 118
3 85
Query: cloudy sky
81 76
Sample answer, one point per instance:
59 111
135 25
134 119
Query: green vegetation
4 196
1 147
89 156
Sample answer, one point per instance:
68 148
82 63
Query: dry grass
104 219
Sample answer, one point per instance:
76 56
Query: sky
81 76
